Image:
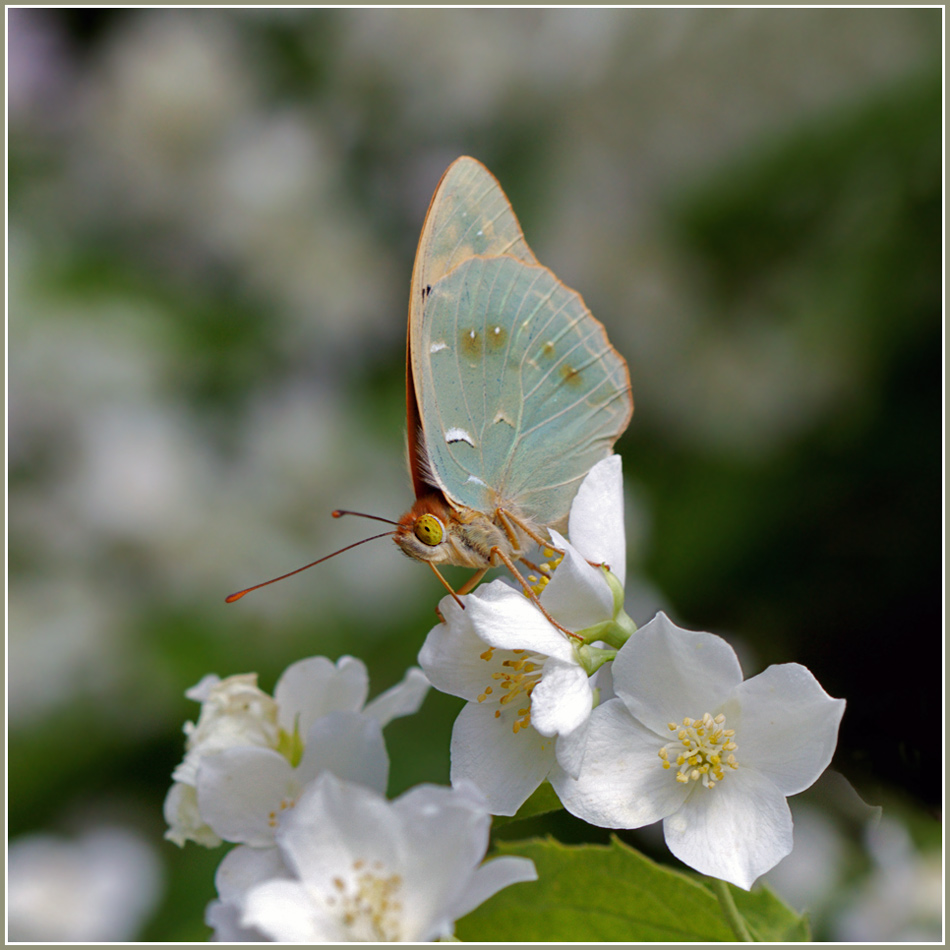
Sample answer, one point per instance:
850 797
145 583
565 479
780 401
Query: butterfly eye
428 529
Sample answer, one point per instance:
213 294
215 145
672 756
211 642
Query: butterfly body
513 391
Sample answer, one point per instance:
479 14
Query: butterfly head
424 530
435 531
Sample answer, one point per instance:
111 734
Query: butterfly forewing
521 393
469 215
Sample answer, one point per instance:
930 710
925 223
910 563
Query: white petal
503 617
571 747
622 783
789 726
492 877
603 681
351 746
202 690
452 654
244 867
447 824
664 673
286 912
225 920
335 823
184 820
596 526
736 831
577 595
563 699
449 832
235 713
403 699
311 688
240 792
506 767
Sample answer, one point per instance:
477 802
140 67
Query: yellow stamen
698 749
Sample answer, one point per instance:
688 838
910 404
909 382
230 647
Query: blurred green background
212 221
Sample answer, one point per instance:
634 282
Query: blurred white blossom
808 877
903 898
101 886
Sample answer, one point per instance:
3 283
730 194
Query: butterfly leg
446 585
507 520
507 561
472 582
530 564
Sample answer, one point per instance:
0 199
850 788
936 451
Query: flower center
703 748
546 571
367 904
514 679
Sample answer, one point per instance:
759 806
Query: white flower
184 820
527 683
243 793
234 713
688 742
250 755
359 868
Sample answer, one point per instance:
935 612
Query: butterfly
513 391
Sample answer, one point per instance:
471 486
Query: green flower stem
730 911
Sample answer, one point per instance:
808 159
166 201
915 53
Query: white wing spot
497 331
438 346
479 233
455 434
476 480
501 417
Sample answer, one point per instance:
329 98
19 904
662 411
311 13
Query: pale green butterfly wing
520 391
469 215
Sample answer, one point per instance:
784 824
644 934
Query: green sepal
616 589
593 658
290 745
619 628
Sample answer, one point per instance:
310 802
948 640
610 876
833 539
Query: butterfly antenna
239 594
339 513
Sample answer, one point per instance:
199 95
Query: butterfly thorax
433 530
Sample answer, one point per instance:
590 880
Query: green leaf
768 918
543 800
595 893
